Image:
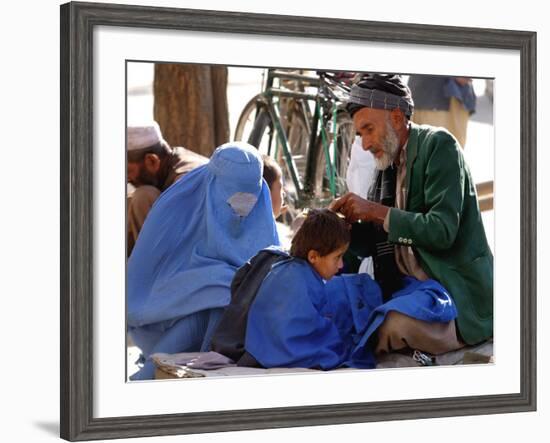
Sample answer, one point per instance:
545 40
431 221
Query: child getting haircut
299 318
322 241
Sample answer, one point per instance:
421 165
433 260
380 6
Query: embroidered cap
141 137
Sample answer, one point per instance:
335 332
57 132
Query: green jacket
442 222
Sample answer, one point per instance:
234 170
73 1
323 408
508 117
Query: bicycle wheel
345 133
298 139
263 136
247 118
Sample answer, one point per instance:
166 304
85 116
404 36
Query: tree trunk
191 105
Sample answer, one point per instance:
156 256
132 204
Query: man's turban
380 91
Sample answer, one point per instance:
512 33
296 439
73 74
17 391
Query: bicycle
312 144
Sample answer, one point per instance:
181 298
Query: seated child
274 178
304 316
292 311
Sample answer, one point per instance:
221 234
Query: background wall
29 222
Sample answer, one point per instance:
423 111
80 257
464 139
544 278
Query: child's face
328 265
277 196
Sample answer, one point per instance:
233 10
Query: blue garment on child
297 320
197 234
423 300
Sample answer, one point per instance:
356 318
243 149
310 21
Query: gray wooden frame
77 216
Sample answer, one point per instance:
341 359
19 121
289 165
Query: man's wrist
382 213
386 224
378 213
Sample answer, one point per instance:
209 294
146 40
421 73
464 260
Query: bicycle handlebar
339 79
327 81
281 92
314 81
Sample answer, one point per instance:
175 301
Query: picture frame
78 21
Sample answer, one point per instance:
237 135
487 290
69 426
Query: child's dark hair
323 231
272 171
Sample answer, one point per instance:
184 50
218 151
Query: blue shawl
423 300
297 320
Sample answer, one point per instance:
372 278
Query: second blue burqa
199 231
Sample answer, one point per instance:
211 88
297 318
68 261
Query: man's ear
151 162
313 256
397 119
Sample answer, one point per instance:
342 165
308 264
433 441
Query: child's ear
312 256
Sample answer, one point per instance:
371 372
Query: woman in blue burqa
199 231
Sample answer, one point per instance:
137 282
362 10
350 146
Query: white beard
390 148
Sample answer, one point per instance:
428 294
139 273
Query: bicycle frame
317 129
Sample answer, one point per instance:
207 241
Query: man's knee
390 337
139 205
144 196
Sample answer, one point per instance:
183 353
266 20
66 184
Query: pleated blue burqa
198 232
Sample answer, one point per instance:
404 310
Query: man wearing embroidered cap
152 167
421 218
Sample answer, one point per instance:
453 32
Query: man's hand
356 208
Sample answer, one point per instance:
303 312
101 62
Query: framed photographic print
105 48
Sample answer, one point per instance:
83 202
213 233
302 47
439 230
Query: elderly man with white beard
421 220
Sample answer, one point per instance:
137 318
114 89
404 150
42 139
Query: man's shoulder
184 161
429 133
184 155
429 137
